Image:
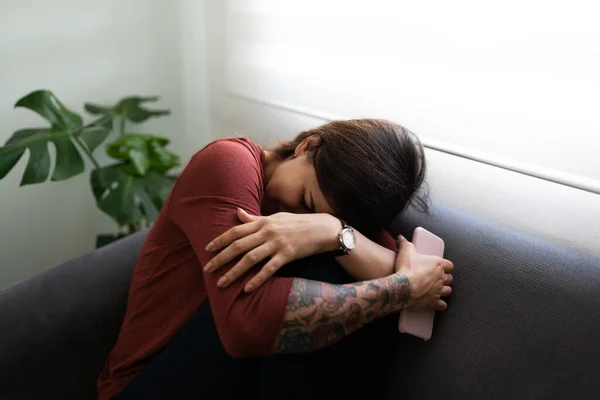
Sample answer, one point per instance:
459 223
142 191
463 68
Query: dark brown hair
368 169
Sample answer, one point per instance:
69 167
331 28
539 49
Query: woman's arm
370 259
320 314
285 237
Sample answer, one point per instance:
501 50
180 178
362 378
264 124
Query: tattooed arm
319 314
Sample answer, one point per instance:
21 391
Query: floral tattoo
319 314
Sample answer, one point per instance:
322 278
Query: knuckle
236 246
288 251
251 257
281 242
268 229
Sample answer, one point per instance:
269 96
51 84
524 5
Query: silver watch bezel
344 246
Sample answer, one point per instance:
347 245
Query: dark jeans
194 365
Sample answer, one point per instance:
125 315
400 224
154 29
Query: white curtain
514 80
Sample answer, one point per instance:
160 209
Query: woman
364 171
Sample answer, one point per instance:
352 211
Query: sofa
523 321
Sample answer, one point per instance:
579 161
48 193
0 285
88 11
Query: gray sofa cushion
523 322
58 327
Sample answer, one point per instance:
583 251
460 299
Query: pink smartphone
420 323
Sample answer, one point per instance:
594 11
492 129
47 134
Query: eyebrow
312 203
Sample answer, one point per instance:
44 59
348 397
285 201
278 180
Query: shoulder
225 157
228 151
223 166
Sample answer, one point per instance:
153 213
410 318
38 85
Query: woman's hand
429 276
283 237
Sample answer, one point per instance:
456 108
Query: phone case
419 323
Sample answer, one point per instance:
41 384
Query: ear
310 143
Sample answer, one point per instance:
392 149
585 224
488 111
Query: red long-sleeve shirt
168 283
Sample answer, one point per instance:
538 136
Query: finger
246 217
232 235
266 272
441 305
233 251
248 261
446 291
448 266
403 243
448 278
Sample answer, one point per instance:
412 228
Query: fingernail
400 237
209 247
207 267
222 282
249 287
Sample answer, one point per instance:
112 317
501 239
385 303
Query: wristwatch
347 239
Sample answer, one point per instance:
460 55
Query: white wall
89 51
540 106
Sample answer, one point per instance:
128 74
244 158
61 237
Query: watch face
348 238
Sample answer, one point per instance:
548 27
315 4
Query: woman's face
293 186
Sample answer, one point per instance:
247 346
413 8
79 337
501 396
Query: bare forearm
319 314
368 260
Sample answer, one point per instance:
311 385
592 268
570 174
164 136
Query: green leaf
49 107
63 123
139 161
158 187
161 159
129 107
142 152
69 163
132 148
38 165
95 109
8 158
68 160
135 113
128 198
103 240
94 135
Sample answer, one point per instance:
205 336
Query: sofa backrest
523 322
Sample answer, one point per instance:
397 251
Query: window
513 83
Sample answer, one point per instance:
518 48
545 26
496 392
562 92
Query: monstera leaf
65 125
130 108
96 133
128 198
143 152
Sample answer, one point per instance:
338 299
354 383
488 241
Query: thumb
245 217
405 253
403 243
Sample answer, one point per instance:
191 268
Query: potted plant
131 189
